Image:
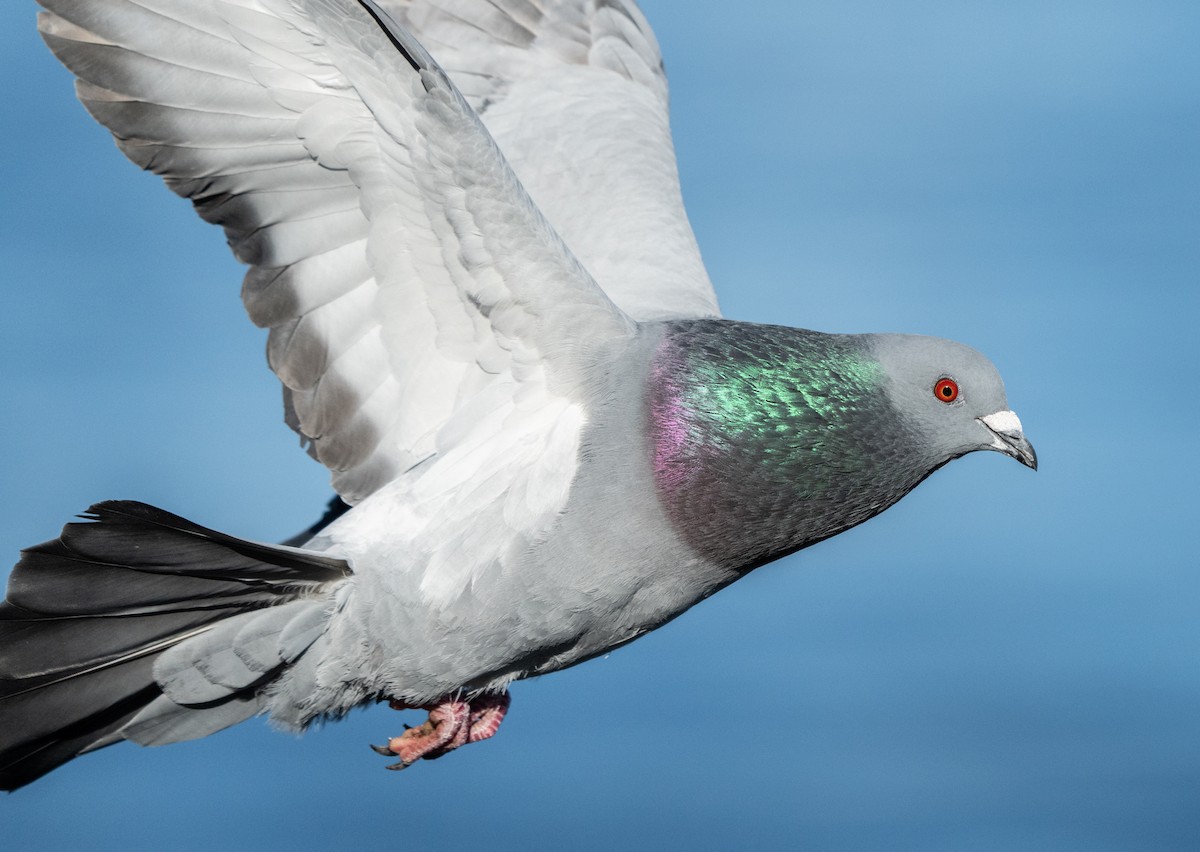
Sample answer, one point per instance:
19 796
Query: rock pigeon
492 324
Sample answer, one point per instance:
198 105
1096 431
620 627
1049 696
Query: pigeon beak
1008 438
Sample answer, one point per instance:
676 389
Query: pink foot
451 724
487 712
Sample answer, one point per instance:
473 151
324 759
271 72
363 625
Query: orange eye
946 390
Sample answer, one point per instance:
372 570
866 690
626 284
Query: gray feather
204 668
302 631
162 721
257 644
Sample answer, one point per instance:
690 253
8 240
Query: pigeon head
950 396
767 439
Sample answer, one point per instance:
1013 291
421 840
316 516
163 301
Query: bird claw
387 752
451 724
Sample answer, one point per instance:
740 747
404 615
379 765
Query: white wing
575 95
401 268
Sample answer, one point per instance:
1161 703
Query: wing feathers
187 35
301 352
397 260
142 78
275 295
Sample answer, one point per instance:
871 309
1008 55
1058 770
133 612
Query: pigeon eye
946 390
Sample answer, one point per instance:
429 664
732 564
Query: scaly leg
451 724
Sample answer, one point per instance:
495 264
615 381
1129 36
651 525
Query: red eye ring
946 390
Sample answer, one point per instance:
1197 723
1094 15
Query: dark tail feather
88 613
35 740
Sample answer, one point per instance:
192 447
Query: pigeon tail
137 624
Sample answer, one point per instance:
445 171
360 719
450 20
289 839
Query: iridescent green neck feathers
766 439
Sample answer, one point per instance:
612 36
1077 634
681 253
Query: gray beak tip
1008 438
1026 454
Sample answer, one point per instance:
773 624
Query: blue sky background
1006 660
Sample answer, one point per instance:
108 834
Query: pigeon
492 324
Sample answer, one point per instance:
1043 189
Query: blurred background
1005 660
